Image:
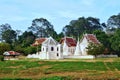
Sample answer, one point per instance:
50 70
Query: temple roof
69 41
91 38
50 41
38 41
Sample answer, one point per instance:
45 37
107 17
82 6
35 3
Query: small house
11 55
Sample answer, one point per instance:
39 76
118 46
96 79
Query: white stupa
78 50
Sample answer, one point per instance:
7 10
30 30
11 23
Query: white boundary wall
79 57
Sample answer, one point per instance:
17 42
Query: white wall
51 54
79 57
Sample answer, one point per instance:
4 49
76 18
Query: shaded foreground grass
66 69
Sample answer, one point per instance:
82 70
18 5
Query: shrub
1 58
29 50
4 47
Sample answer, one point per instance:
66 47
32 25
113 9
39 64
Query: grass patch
77 66
57 78
51 70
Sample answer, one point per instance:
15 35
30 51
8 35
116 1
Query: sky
20 13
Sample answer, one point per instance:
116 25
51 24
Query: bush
30 50
4 47
95 49
19 49
1 58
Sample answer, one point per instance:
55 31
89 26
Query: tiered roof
50 41
91 38
69 41
38 41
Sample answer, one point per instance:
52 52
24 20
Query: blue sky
20 13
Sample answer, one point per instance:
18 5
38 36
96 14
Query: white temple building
84 42
69 45
67 48
50 49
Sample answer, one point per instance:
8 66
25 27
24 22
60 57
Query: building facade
66 48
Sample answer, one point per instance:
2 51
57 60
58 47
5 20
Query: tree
42 28
4 47
95 49
18 32
3 28
83 25
102 37
26 39
113 23
115 41
30 50
93 24
9 36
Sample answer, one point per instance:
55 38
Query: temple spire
78 50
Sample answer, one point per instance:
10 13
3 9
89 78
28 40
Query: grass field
67 69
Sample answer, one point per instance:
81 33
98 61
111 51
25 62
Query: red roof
92 38
69 41
38 41
11 53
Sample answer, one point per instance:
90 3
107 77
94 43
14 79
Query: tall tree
3 28
9 36
26 39
113 22
115 41
18 32
82 25
42 28
102 37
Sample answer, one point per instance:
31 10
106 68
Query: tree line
107 33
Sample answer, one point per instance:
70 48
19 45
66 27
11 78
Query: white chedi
77 49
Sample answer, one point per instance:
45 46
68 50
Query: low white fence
80 57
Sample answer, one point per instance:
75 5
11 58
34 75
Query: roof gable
69 41
91 38
11 53
38 41
50 41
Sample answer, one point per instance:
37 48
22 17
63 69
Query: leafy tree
115 41
19 49
26 39
3 28
82 25
93 24
60 35
42 28
9 36
95 49
102 37
113 23
4 47
30 50
18 32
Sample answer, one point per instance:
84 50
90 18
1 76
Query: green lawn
65 69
